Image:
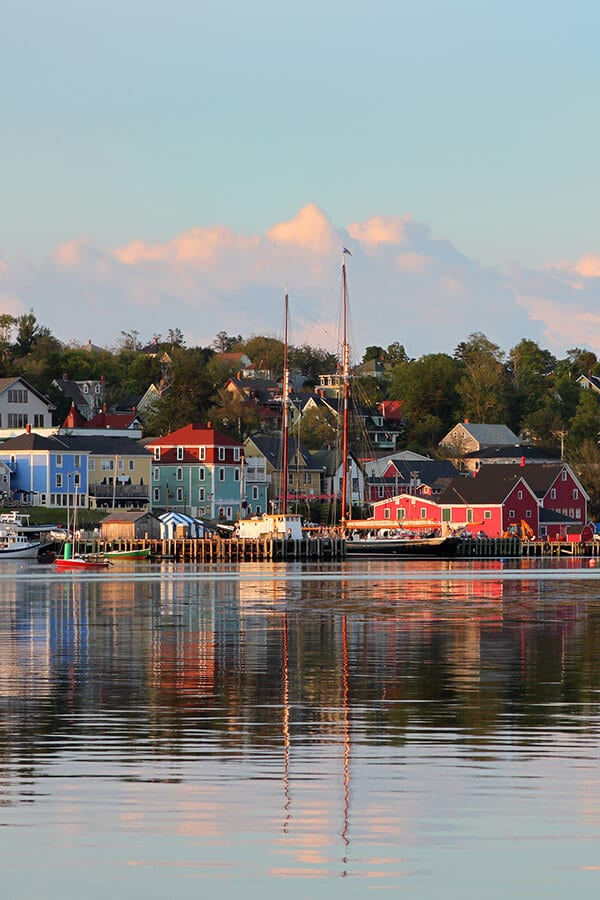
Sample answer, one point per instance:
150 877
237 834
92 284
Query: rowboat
142 553
81 562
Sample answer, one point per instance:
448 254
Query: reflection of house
21 406
197 469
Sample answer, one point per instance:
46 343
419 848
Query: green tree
318 428
266 353
375 352
224 343
428 389
585 462
585 424
191 392
530 372
237 417
483 389
29 332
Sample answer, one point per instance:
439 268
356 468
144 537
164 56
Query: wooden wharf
211 550
279 549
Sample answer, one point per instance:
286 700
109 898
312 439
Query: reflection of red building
496 498
185 666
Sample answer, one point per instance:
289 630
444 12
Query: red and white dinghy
81 562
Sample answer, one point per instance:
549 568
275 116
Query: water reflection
288 721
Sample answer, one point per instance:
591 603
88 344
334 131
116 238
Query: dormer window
180 453
86 388
201 452
221 454
157 453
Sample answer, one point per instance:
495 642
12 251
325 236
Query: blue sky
140 122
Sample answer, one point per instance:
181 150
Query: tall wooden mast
346 506
285 422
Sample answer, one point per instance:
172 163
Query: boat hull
78 563
415 547
116 555
26 552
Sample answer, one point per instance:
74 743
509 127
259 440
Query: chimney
28 428
522 460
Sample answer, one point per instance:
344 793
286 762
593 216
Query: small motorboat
18 546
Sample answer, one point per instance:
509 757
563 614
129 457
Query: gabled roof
133 516
492 484
509 451
330 460
391 409
113 420
270 447
426 471
490 435
194 435
74 419
32 441
593 381
6 383
104 445
539 476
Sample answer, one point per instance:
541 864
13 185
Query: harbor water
301 729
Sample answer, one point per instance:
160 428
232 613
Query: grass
41 515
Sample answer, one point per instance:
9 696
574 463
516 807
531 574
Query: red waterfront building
496 498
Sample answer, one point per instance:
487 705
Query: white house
21 406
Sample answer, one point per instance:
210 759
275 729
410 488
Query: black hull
440 548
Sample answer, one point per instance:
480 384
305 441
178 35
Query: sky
181 165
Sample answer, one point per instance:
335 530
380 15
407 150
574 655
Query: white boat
18 546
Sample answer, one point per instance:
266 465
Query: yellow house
119 473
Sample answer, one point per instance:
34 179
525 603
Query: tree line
527 388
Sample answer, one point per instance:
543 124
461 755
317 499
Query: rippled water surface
290 731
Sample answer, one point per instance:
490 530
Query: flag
345 250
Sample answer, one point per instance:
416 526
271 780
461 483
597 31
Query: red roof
112 420
74 419
193 436
391 409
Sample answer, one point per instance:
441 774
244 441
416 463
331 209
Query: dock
278 549
229 550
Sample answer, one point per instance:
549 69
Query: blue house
45 472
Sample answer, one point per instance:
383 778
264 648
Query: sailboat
377 537
78 561
282 524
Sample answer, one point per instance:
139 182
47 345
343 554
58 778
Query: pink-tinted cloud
405 285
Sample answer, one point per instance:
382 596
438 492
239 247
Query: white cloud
405 285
